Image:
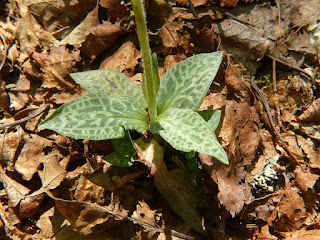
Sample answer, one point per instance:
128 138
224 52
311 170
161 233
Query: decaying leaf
10 143
15 191
305 180
312 113
57 67
31 156
124 60
53 172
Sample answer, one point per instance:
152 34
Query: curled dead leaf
305 180
312 113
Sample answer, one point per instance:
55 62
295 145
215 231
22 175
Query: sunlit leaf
185 84
212 117
111 82
186 131
97 116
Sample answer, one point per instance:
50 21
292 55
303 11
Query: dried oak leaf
10 143
305 180
57 67
125 59
53 172
312 113
293 207
170 35
302 234
30 34
30 205
144 214
302 148
265 234
115 9
59 16
31 156
45 224
82 217
15 191
113 178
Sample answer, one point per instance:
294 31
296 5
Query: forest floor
56 187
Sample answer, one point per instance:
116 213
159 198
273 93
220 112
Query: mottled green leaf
124 146
186 131
111 82
97 116
119 160
212 117
185 84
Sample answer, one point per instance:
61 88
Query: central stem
147 86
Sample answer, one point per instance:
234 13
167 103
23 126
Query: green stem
148 85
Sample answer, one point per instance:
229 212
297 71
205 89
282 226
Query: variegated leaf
212 117
186 130
185 84
111 82
97 116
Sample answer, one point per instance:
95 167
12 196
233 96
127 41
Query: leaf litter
59 188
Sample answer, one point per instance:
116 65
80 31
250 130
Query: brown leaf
29 32
15 191
293 207
305 180
10 143
57 67
53 173
82 217
45 224
265 234
171 37
144 214
56 16
30 205
303 234
31 156
125 59
312 113
4 99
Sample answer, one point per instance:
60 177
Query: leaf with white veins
110 82
185 84
96 116
186 131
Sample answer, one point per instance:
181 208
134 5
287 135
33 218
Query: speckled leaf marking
212 117
186 130
113 83
97 116
185 84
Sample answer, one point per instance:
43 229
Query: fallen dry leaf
57 67
53 172
15 191
10 143
305 180
293 207
31 156
312 113
124 60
